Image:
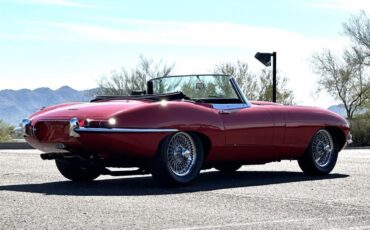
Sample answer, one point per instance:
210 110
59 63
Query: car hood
95 110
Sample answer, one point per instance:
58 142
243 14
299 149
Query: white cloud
202 34
294 50
230 41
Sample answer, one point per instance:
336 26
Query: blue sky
68 42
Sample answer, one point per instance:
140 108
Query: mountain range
18 104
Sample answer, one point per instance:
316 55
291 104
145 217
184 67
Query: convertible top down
180 125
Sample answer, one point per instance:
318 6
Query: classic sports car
180 125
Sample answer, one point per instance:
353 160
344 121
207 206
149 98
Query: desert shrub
6 131
360 129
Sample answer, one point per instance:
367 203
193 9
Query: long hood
305 113
95 110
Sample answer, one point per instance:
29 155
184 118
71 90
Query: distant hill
339 109
18 104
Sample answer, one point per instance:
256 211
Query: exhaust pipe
51 156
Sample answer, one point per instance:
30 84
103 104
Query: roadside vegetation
6 131
124 81
255 86
347 77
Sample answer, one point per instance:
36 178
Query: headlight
112 121
164 102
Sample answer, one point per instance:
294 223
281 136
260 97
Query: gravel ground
33 195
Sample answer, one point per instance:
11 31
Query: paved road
277 195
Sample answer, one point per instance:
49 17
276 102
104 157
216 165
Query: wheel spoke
181 154
322 148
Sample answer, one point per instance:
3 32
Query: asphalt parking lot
33 195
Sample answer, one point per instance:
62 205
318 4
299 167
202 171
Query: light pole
265 58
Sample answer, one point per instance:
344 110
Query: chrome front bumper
22 130
349 139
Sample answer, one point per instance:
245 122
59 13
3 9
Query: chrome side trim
121 130
229 106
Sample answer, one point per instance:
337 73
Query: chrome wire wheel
181 154
179 159
322 148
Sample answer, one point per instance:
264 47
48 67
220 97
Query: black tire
76 173
190 153
322 144
228 167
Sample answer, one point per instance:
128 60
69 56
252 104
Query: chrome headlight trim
24 125
73 125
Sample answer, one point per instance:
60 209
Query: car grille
52 131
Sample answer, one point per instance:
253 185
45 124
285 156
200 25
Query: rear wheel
76 173
228 167
179 159
321 155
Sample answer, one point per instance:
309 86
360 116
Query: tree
256 87
358 30
6 131
123 82
343 79
240 71
284 95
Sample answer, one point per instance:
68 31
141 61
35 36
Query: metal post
274 77
265 58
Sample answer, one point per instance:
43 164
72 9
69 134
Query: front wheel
76 173
321 155
179 159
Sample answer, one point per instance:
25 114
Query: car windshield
196 87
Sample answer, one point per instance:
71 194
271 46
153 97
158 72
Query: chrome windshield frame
239 92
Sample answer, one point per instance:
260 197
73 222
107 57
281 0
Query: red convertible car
180 125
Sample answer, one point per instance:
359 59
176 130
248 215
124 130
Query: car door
249 133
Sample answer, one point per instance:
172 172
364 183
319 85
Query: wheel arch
206 142
338 136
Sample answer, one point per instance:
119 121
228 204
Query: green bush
360 129
6 131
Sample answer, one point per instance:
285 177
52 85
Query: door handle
224 112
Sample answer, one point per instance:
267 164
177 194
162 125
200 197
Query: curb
360 147
15 145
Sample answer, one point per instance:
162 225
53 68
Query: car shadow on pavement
145 185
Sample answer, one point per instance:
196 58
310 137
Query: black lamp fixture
265 58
